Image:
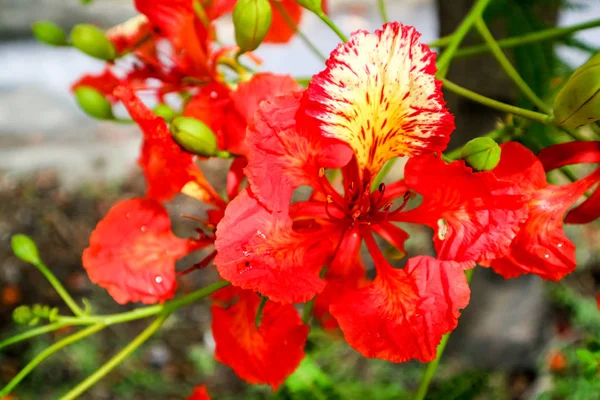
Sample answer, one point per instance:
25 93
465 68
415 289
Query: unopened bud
482 154
25 248
93 102
311 5
578 102
93 42
49 32
22 315
251 19
194 136
165 112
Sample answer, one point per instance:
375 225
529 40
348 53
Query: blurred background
60 171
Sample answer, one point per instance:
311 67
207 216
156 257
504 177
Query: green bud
165 112
251 19
22 315
311 5
25 248
93 102
50 33
194 136
93 42
482 154
578 102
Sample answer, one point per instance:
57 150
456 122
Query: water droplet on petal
158 279
144 228
128 215
559 245
546 255
214 95
262 235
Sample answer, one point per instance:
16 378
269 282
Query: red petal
105 83
132 252
569 153
176 20
379 94
166 167
260 251
284 156
587 211
131 34
280 31
200 393
404 313
264 355
541 246
475 215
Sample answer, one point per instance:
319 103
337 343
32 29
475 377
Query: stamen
200 265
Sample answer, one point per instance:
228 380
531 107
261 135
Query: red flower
200 393
575 153
541 246
474 215
267 245
132 252
267 354
166 166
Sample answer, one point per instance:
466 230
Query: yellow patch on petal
379 95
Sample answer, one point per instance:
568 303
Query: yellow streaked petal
379 95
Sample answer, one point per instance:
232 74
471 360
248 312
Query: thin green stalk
429 372
259 311
444 41
383 11
486 101
290 22
60 289
332 25
310 305
32 333
118 358
145 312
90 330
508 67
465 26
535 37
387 167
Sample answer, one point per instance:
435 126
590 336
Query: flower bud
194 136
49 32
165 112
25 248
93 42
93 102
578 102
311 5
22 315
482 154
251 19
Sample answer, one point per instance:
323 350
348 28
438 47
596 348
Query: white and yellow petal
379 94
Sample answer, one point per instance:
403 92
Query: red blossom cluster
376 99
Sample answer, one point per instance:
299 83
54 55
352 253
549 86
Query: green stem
444 41
540 36
429 372
387 167
118 358
32 333
486 101
290 22
47 353
60 289
332 25
383 11
145 312
446 58
508 67
259 311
